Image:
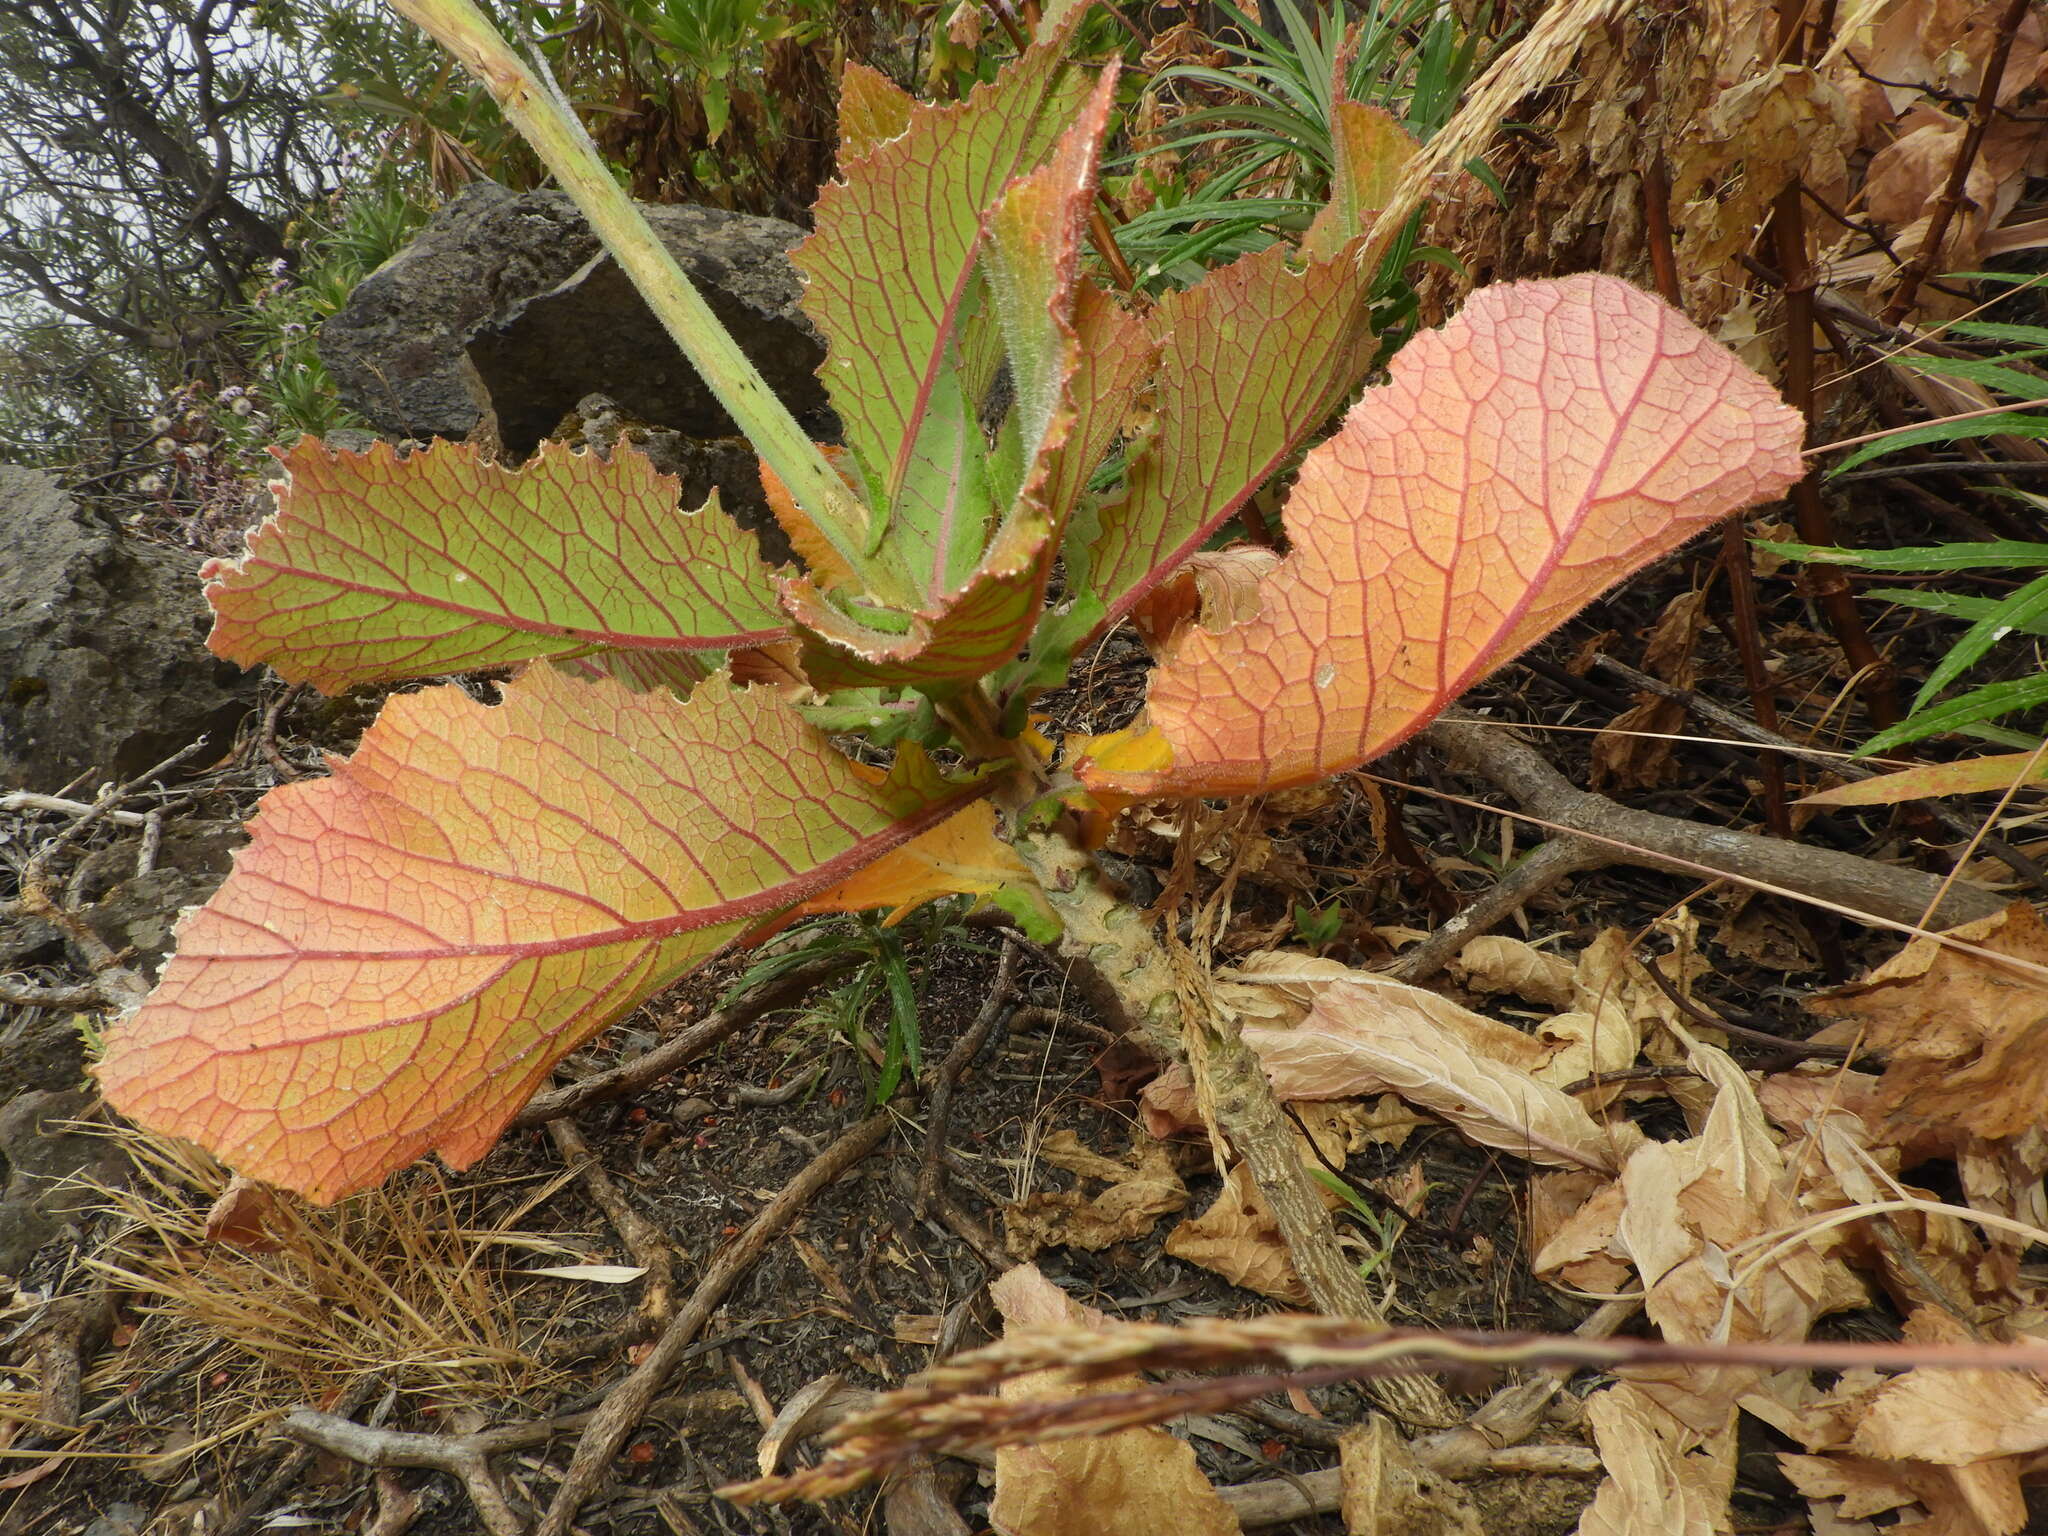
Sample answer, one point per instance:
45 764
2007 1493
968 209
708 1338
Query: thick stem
1155 997
536 110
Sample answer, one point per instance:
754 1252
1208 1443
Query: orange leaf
1517 463
407 947
827 567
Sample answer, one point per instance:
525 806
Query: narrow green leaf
2023 386
1962 712
1951 605
1995 553
2004 425
1995 330
2026 606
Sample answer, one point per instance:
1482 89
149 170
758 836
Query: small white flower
159 424
242 406
150 485
164 448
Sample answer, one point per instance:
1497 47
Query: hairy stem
535 108
1159 998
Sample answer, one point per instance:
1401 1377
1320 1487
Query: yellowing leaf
826 566
1973 776
1544 444
377 568
961 856
1371 150
406 948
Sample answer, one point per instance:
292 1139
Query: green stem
535 109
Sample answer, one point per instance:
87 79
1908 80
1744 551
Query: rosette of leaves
408 945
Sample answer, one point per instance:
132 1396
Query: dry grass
405 1285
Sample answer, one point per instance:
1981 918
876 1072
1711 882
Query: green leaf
1253 359
1995 330
888 273
1961 713
1951 605
377 568
2004 425
2023 386
2026 606
1996 553
1075 360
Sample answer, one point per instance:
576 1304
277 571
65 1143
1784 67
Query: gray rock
103 664
49 1171
507 304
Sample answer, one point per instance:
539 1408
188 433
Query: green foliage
1317 928
337 246
1257 165
1990 621
2010 369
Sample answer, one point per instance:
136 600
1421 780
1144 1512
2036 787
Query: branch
1858 886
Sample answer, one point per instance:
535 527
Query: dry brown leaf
242 1215
1687 1205
1966 1039
1584 1044
1572 1222
1953 1418
1385 1493
1142 1188
1635 751
1372 1034
1980 1500
1493 963
1134 1482
1772 125
1661 1476
1238 1238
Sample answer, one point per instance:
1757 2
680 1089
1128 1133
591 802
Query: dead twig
650 1250
463 1457
1718 714
627 1403
266 735
1280 1500
945 1078
1626 835
286 1472
677 1052
1529 878
460 1457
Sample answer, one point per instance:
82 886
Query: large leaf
888 273
377 568
1255 357
1066 409
406 948
1550 440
